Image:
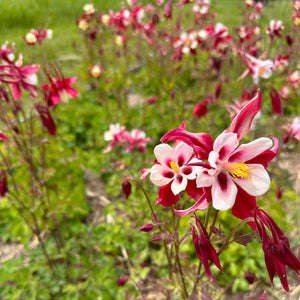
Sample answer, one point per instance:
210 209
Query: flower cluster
134 140
17 75
229 175
222 172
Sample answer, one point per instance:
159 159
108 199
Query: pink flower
276 247
136 140
204 249
280 62
294 78
121 19
234 175
173 170
186 43
296 5
37 35
258 68
168 10
19 77
6 53
60 89
231 167
274 29
114 134
95 71
292 131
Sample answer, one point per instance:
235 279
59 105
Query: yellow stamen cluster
238 170
174 167
261 71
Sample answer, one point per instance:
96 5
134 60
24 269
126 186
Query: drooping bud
126 187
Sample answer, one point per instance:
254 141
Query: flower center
238 170
174 167
261 71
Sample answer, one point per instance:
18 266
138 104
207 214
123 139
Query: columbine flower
258 68
96 71
231 167
187 42
173 170
274 29
294 78
276 247
60 89
204 249
136 139
280 62
24 77
30 38
89 8
292 131
38 35
114 134
6 53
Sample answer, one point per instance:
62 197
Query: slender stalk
208 212
180 270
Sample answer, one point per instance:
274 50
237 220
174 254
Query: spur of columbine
221 171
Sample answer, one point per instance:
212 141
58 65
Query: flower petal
179 184
166 196
248 151
266 156
204 179
164 154
258 183
201 142
183 152
244 206
199 205
159 175
242 122
223 192
225 143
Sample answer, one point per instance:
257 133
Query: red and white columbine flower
173 169
233 175
136 139
274 29
258 68
60 89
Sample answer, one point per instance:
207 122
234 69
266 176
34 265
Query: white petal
164 154
157 177
248 151
258 183
212 158
177 185
225 143
224 194
204 179
184 151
